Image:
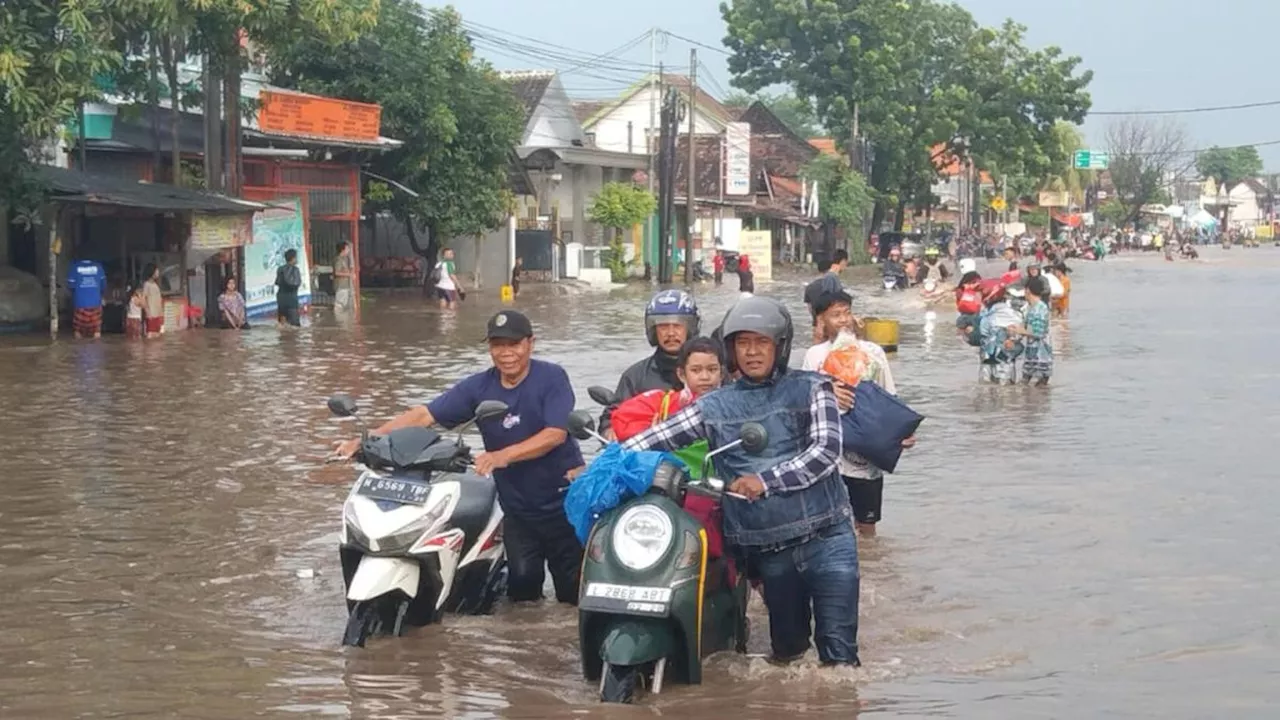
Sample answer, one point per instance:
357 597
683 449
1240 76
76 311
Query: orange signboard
311 115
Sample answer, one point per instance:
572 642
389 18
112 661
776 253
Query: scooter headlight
641 537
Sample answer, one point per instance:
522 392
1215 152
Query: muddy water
1107 547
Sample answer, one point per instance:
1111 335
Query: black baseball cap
509 325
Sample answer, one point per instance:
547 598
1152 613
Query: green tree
844 198
619 206
457 119
927 82
796 113
1229 167
50 51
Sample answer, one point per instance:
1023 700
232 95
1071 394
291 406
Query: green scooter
651 604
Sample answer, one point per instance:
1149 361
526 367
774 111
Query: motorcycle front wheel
620 684
368 618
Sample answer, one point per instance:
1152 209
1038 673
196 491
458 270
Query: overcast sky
1145 54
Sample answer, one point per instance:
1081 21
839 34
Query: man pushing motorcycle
528 452
794 523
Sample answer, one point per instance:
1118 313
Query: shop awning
71 186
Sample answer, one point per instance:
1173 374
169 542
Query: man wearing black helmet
792 519
670 319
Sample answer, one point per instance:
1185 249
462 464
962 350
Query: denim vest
781 405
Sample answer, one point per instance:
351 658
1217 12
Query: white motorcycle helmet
930 285
968 265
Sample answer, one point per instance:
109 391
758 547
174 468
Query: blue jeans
817 580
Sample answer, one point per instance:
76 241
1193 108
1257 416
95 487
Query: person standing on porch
288 280
86 281
344 279
152 302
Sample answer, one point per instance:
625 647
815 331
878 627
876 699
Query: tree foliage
1146 156
620 206
50 51
922 74
844 198
796 113
458 120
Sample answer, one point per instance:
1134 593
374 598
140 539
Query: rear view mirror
602 395
754 438
343 405
490 408
581 424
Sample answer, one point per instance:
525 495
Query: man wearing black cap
528 451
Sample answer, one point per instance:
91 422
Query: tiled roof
705 100
708 166
584 109
529 86
825 145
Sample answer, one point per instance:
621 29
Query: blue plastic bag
613 477
877 425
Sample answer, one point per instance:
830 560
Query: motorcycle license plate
629 593
406 492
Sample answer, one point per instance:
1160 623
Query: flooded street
1105 548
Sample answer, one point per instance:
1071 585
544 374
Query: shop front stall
129 227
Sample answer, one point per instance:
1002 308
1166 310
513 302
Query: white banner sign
737 154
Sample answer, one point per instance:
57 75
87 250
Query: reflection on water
1103 546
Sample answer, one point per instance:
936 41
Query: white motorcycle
421 534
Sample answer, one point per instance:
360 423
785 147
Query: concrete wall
490 252
611 130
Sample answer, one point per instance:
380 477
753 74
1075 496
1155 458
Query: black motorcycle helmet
758 315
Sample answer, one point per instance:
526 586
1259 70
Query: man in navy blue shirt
86 280
528 452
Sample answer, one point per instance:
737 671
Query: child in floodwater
1037 357
1000 348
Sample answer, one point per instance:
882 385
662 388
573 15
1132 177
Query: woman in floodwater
231 306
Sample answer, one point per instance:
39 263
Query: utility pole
650 137
691 204
664 189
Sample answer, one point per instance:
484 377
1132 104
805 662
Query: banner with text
757 245
737 154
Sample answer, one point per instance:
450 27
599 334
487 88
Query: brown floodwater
1107 547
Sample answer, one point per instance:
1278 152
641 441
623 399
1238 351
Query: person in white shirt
446 280
864 481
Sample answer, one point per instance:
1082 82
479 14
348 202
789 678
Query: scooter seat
475 506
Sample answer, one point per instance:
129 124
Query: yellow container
882 332
508 294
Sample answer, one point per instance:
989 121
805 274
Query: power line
696 43
1189 111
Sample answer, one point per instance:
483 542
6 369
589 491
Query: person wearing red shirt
717 266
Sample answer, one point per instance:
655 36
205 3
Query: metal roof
72 186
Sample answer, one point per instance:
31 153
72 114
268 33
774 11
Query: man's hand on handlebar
487 462
346 449
748 486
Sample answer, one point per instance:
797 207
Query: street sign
1090 160
998 204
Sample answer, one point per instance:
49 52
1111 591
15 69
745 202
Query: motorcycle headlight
641 537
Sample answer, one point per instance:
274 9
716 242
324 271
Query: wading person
793 524
515 277
86 281
446 280
828 281
1037 357
864 481
152 302
231 307
344 273
288 280
670 319
528 452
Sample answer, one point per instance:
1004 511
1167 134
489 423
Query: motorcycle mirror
602 395
490 408
581 424
754 438
343 405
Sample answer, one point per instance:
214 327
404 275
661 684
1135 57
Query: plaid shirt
814 463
